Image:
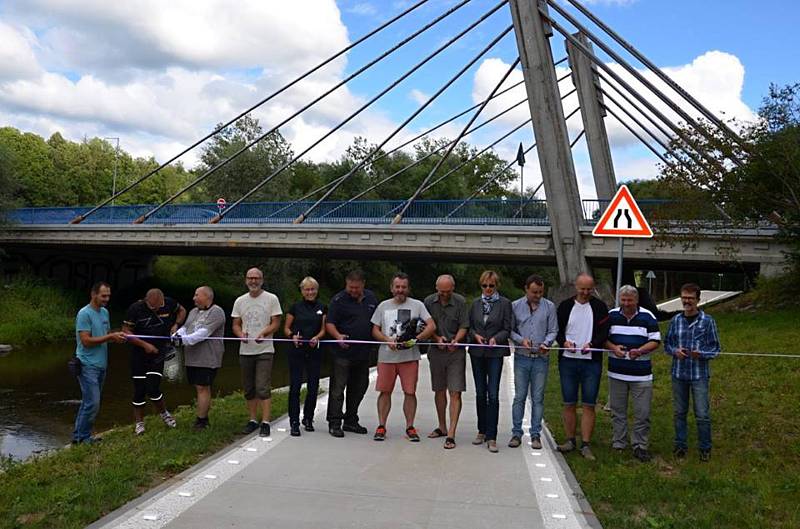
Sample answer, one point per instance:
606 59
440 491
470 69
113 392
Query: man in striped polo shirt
632 336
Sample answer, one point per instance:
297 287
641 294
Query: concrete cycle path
317 481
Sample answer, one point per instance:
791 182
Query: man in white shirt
395 322
256 316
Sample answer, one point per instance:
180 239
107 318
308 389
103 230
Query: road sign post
623 219
650 276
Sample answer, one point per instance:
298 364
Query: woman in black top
305 324
490 324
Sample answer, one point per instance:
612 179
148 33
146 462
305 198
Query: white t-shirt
394 320
256 314
579 329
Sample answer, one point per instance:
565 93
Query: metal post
587 82
619 269
555 155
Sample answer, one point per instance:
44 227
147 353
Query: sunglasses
485 285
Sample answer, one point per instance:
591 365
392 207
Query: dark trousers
303 360
487 372
351 373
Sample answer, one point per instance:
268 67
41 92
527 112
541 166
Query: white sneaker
138 429
169 420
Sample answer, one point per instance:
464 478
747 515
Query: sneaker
479 439
138 428
492 446
642 454
169 420
536 443
250 427
294 430
380 433
308 423
586 452
705 456
679 452
412 434
566 446
355 428
335 430
92 440
264 432
514 442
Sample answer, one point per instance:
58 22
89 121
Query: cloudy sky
159 75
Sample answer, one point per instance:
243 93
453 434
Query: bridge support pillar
552 141
584 75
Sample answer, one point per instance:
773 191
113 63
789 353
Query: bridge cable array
276 93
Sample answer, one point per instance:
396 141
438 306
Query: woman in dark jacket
305 324
490 324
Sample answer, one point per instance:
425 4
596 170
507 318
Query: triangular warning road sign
622 218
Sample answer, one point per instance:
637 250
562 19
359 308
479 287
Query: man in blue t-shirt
92 334
633 334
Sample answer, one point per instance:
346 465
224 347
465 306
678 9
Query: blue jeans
91 380
530 374
680 406
487 372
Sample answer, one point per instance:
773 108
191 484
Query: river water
39 398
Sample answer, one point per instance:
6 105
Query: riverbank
75 486
35 312
751 480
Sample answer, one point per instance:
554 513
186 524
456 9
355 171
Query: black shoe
309 424
250 427
294 430
264 432
200 424
355 428
642 454
679 452
335 430
705 456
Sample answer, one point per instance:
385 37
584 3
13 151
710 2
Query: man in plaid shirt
692 340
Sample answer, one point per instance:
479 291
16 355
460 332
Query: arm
377 333
711 344
179 319
273 325
618 350
505 331
287 325
148 347
90 341
562 317
430 330
515 335
552 330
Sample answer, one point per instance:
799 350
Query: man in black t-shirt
155 315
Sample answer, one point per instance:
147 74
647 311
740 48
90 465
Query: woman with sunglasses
490 326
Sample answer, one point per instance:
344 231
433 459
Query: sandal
449 443
380 433
412 434
436 433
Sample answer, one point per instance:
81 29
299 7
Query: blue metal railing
477 212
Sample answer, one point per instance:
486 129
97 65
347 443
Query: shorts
200 376
388 372
146 372
448 370
256 375
576 373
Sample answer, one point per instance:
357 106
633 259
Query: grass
752 478
76 486
35 312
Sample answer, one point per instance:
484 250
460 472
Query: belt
528 354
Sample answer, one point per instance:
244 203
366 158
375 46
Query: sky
160 75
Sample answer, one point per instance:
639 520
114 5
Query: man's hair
398 275
154 292
355 275
583 274
694 288
209 291
97 286
534 278
628 290
447 277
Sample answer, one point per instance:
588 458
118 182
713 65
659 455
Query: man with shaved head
202 354
256 316
156 316
447 360
582 327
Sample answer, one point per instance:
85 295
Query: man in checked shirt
692 340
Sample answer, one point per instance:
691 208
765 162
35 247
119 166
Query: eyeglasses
253 278
485 285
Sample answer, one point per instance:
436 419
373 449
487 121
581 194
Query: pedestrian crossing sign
623 218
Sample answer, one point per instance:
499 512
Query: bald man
582 326
202 354
155 315
447 360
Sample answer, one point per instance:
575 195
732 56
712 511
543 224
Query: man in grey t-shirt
203 356
397 322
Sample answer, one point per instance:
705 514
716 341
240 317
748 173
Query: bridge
551 231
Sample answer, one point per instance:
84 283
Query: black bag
74 365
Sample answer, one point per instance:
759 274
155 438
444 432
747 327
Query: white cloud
418 96
17 59
363 9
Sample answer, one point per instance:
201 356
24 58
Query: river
39 398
